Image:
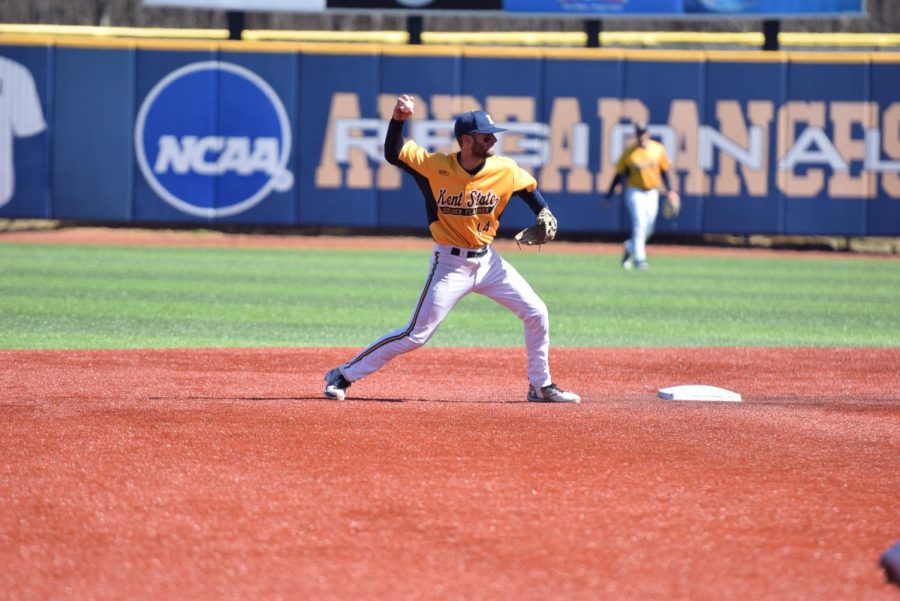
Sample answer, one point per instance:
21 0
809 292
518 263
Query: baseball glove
542 232
671 205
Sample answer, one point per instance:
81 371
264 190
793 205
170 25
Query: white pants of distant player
449 279
643 205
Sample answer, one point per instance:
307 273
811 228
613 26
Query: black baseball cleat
551 394
890 561
336 384
626 260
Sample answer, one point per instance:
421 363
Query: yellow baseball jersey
643 167
466 208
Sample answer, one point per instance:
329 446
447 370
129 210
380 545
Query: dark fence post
593 27
235 24
414 28
770 31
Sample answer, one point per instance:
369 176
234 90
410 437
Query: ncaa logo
213 139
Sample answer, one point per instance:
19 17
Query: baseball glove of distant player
671 205
542 232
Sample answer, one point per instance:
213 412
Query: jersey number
483 227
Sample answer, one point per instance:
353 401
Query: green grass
55 297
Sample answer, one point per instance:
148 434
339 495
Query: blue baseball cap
475 122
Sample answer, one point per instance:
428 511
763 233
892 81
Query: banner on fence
691 8
244 5
794 145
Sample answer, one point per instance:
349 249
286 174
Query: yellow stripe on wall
109 37
575 39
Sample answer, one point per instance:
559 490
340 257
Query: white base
698 392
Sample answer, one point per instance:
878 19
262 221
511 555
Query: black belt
470 254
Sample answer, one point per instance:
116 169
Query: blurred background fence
883 17
107 127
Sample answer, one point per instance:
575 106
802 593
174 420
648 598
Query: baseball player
465 195
645 168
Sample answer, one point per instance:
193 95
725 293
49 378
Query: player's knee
415 343
417 340
537 314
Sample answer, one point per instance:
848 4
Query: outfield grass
55 297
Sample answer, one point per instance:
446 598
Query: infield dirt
224 474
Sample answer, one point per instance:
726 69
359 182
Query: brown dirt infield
223 474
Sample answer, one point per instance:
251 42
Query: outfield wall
290 134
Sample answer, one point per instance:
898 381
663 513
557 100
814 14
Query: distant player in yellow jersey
465 194
645 168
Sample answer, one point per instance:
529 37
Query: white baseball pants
643 205
451 277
